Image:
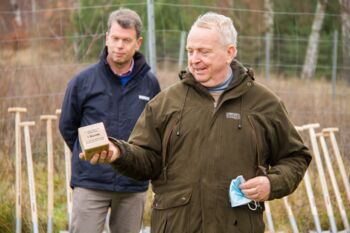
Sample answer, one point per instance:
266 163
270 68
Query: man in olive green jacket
198 135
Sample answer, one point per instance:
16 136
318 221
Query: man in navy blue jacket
113 91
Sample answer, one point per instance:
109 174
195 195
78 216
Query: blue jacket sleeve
156 87
70 114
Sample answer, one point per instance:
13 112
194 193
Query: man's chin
120 62
201 78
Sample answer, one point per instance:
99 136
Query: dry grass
39 85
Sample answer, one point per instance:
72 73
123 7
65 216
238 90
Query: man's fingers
95 159
251 183
102 157
109 156
248 192
257 188
253 194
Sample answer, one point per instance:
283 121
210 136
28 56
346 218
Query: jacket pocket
166 151
260 166
249 221
171 212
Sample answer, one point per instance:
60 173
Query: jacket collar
244 79
140 64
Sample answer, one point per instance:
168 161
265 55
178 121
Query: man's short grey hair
126 18
223 24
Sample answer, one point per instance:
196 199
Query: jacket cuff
276 186
122 149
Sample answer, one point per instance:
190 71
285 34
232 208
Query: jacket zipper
258 167
165 154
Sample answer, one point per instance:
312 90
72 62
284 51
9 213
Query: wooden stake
317 156
67 159
330 132
291 217
31 180
50 168
269 217
334 182
18 111
310 194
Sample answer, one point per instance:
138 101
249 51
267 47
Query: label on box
93 139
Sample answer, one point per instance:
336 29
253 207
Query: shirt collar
222 86
130 69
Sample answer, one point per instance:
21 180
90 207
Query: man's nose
120 43
195 57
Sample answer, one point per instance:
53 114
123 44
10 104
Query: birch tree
310 61
268 17
345 19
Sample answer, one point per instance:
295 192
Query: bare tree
345 19
310 61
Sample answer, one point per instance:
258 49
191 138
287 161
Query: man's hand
257 188
105 156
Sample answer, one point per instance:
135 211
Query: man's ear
106 38
139 42
231 52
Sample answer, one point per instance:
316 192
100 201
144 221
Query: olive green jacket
191 151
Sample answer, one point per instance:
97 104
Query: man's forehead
204 39
198 46
205 27
117 29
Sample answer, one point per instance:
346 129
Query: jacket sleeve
70 115
155 84
289 159
141 157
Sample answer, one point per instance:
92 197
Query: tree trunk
310 61
268 16
16 9
345 19
33 13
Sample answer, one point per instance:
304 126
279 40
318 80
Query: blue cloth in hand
237 197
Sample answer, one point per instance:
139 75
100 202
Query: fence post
182 48
267 54
151 36
33 13
334 63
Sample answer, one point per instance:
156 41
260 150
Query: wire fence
44 48
86 37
